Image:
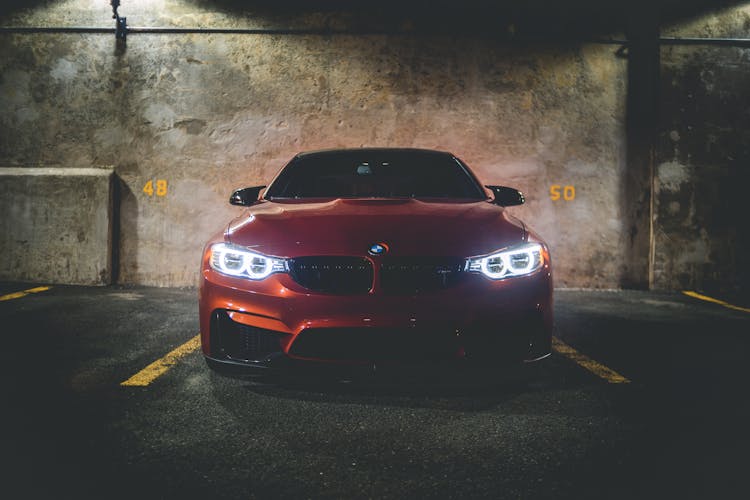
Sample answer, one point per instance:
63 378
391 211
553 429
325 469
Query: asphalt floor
675 426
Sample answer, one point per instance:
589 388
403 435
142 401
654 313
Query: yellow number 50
568 192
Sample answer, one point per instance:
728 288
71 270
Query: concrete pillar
641 127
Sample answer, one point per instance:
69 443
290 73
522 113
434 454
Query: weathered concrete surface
703 162
56 225
209 113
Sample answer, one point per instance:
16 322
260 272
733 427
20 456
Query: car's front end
329 280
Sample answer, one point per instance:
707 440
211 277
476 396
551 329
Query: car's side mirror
246 196
506 197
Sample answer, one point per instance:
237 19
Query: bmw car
366 256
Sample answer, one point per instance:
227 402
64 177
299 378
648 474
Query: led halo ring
515 261
236 261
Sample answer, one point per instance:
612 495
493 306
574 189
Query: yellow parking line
162 365
594 367
715 301
24 293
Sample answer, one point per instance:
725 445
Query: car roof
359 151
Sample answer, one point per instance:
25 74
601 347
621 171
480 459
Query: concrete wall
702 234
56 225
208 113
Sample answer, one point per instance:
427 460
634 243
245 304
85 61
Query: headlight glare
235 261
515 261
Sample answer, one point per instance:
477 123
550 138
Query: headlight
516 261
236 261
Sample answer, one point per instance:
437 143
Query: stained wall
206 113
702 234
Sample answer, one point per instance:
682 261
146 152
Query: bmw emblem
378 249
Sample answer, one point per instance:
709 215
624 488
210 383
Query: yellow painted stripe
715 301
162 365
594 367
24 293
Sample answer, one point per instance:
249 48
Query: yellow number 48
161 188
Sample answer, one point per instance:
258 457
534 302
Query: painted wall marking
158 187
557 192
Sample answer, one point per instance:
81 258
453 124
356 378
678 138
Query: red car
363 256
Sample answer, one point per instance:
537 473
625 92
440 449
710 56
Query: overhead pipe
720 42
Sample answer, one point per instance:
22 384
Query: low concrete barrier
56 225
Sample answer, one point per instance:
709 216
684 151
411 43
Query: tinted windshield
381 174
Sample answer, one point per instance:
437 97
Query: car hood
408 227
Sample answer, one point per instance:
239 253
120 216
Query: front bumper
274 321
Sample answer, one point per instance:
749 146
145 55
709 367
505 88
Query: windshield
375 174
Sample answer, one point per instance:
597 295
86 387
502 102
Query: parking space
71 429
342 168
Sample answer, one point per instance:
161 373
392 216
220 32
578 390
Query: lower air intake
238 342
375 344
